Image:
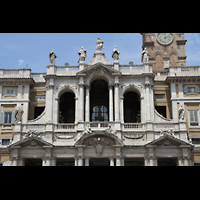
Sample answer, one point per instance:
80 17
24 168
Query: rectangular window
5 141
7 117
194 121
159 96
40 98
9 92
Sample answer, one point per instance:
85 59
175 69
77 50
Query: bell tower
165 49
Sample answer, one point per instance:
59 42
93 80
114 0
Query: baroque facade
102 113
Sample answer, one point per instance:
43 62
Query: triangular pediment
99 66
31 142
167 140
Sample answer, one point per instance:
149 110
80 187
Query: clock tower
165 49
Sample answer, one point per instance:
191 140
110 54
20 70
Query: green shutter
13 117
191 116
197 89
185 89
1 117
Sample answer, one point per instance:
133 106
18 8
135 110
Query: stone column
122 109
118 161
80 161
46 162
180 161
111 103
87 161
81 99
147 90
76 161
49 101
76 110
174 102
117 100
87 104
112 163
26 104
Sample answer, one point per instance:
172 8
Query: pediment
99 137
32 142
168 140
99 67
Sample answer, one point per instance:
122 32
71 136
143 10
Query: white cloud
20 61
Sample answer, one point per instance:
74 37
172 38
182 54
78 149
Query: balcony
15 73
184 71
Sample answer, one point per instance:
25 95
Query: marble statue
115 54
52 57
18 115
145 56
99 44
181 113
82 54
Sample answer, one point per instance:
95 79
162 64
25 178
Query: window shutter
197 89
191 116
185 89
13 117
196 116
1 117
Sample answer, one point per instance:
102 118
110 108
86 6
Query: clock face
165 38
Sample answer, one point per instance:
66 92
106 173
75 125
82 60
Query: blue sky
19 49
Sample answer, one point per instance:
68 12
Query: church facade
102 113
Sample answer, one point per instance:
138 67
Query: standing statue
99 44
18 115
145 56
52 57
115 54
82 54
181 113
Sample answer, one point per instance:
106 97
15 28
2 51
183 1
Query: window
5 141
7 117
194 121
159 96
40 98
99 113
9 92
191 90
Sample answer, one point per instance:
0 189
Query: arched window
99 113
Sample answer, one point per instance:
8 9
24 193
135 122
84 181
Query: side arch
66 88
133 88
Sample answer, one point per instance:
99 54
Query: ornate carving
115 54
18 115
82 55
167 132
145 56
32 133
181 113
109 130
52 57
100 44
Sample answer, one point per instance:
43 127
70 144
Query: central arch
99 101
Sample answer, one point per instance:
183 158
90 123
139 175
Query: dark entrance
161 110
134 162
132 108
33 162
38 111
167 162
99 101
99 162
67 108
65 162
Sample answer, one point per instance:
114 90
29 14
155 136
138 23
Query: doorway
134 162
65 162
167 162
33 162
99 162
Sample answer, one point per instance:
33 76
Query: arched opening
99 101
67 108
132 113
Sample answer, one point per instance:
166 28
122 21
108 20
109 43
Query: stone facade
101 113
